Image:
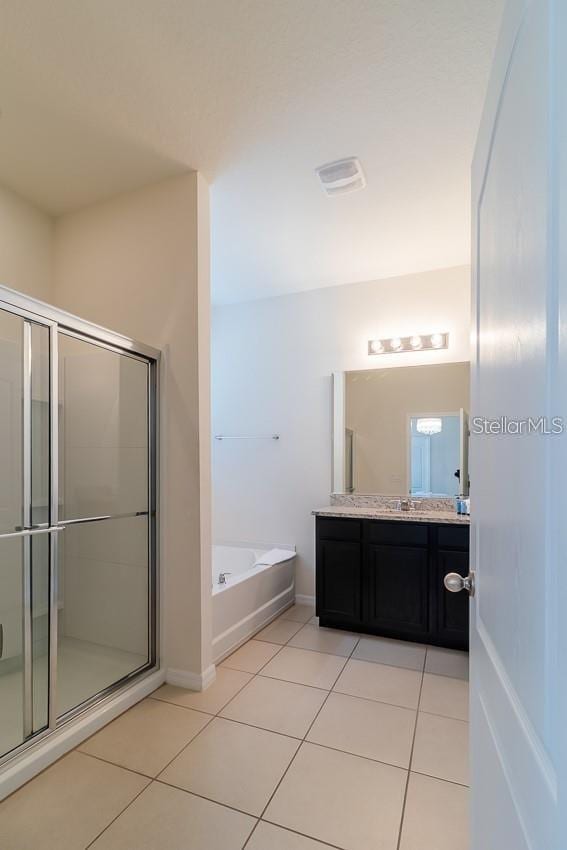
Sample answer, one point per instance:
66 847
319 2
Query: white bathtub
252 595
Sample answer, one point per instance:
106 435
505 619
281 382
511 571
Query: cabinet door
452 608
396 598
339 575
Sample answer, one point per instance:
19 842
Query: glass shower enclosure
78 518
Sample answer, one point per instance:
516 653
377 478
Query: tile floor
309 738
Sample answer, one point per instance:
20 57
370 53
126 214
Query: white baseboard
301 599
51 748
190 680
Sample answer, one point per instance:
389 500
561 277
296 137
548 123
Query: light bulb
376 346
395 343
415 342
437 340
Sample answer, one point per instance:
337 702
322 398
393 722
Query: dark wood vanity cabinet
395 590
339 579
386 578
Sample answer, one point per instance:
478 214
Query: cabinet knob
455 583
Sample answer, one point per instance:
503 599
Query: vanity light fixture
376 346
415 342
429 425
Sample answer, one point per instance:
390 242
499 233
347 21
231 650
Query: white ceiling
100 96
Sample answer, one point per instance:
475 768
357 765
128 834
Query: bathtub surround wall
272 365
139 264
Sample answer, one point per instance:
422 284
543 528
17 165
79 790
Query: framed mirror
402 430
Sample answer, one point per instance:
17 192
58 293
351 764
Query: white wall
139 265
271 366
26 247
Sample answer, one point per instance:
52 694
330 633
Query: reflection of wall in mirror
350 460
378 403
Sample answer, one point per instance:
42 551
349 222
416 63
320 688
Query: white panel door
519 370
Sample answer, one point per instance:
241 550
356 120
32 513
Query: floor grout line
297 832
169 702
444 716
310 649
108 825
211 717
372 699
259 818
115 764
440 779
303 741
295 682
354 755
403 812
156 778
280 647
260 728
208 799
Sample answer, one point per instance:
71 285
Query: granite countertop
351 512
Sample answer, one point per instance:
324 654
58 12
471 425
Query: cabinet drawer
453 536
339 529
398 533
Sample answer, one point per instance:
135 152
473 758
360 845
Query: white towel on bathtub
274 556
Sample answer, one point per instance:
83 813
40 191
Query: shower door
105 593
78 534
27 532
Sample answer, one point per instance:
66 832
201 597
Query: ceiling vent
341 176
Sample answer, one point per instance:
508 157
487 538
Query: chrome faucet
222 577
404 504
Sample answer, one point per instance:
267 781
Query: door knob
455 583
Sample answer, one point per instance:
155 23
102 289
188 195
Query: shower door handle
32 532
1 640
